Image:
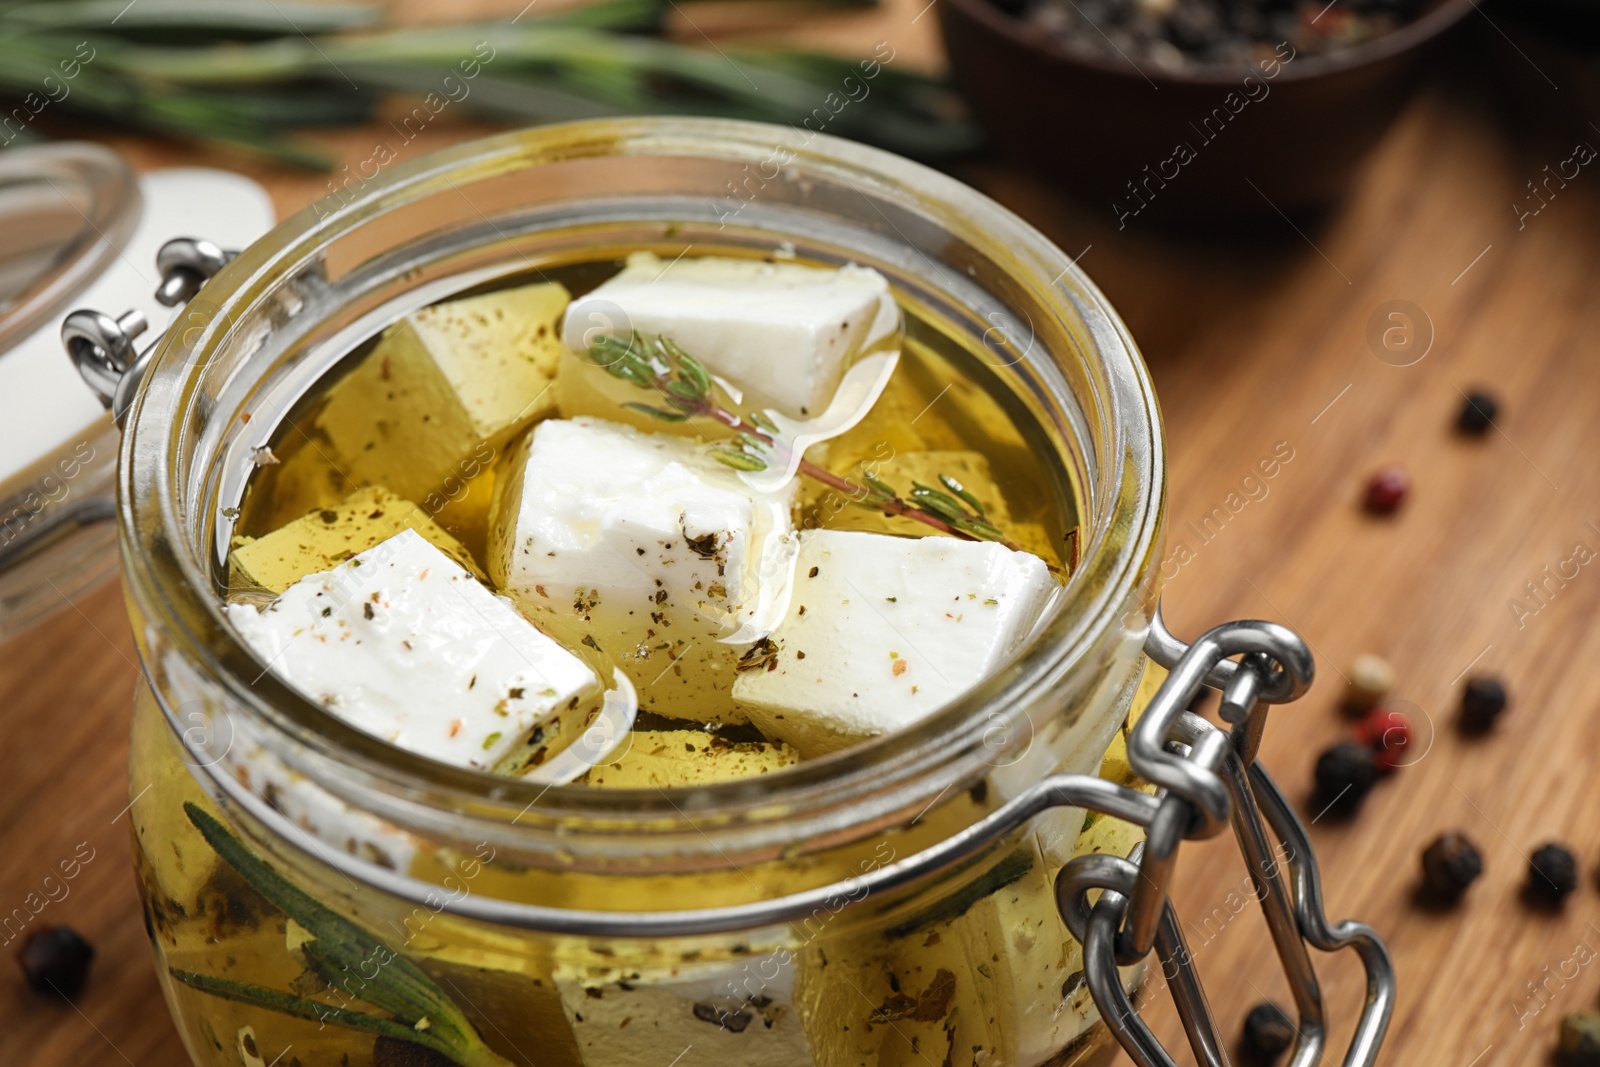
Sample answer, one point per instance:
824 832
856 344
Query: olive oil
976 969
943 398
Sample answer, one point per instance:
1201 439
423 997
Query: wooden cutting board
1256 350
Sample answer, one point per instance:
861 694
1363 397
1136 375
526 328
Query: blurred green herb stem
246 74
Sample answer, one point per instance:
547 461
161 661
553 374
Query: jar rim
171 591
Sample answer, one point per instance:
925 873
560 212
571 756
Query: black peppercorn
1345 774
1552 874
1483 698
1451 864
55 959
1477 414
1268 1032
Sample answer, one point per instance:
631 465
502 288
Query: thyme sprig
660 365
341 954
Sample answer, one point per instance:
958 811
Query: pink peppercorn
1386 490
1388 734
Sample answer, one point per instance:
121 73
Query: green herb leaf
961 491
337 973
306 1008
622 359
656 413
228 72
198 17
939 503
340 946
321 921
880 487
742 461
686 390
695 371
978 528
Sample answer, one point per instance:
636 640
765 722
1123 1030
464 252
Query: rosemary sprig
243 73
682 382
339 952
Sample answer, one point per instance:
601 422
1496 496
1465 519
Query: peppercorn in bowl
1191 112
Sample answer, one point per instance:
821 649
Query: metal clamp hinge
1209 779
102 347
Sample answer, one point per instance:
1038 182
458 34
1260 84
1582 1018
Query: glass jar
78 221
298 873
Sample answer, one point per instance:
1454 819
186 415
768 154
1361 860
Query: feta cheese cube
403 643
901 998
701 1012
445 387
663 759
883 631
647 550
316 812
1018 936
781 332
984 976
323 538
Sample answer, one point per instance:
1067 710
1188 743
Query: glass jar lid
66 210
82 230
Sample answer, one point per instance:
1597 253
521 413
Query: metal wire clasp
102 347
1209 779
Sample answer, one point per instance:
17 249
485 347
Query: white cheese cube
782 332
403 643
648 551
989 975
883 631
315 812
707 1013
444 388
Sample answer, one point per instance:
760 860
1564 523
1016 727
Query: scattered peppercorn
1386 490
1477 414
55 959
1580 1038
1370 680
1483 698
1387 733
1267 1030
1450 865
1345 774
1552 874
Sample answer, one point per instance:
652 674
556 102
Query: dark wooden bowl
1112 133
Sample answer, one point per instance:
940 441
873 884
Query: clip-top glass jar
313 891
81 227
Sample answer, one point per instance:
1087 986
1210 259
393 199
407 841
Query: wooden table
1253 349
